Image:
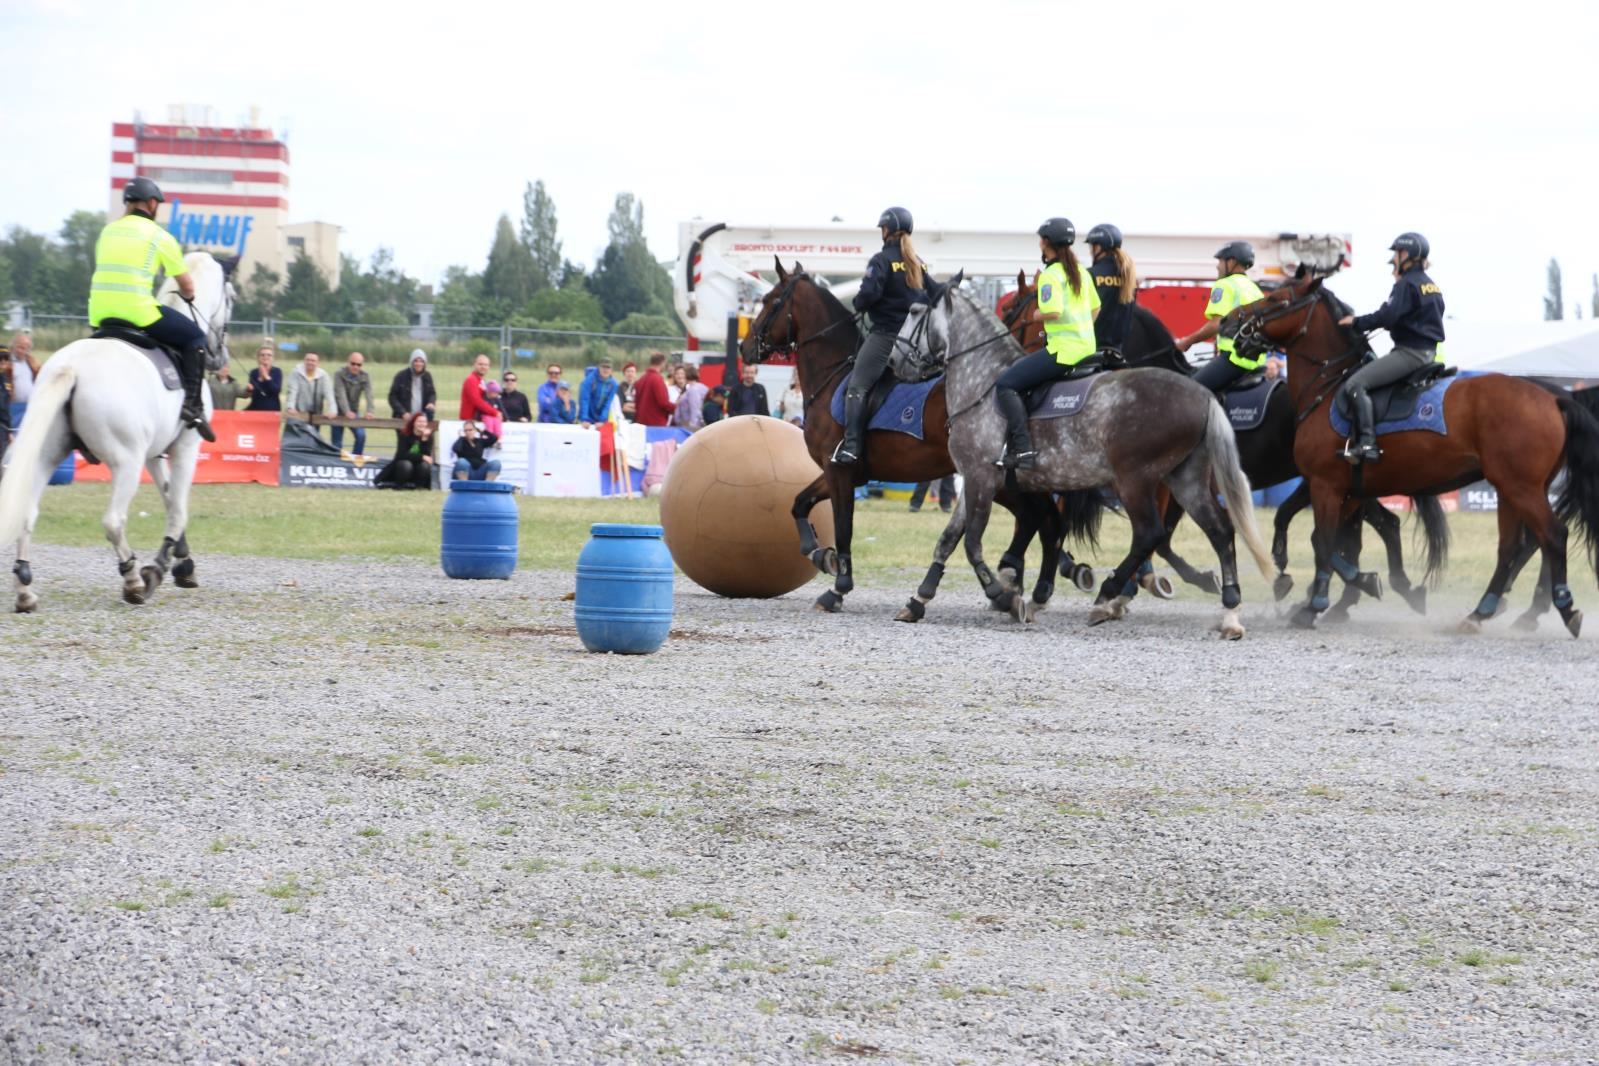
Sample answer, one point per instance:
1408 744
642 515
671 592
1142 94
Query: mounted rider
895 280
1413 315
1068 305
126 258
1232 290
1116 282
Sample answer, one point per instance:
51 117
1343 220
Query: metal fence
393 344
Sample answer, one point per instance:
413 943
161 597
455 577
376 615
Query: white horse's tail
18 487
1224 466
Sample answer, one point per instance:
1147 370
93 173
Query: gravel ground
351 812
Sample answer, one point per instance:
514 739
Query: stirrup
1361 452
842 457
1027 460
198 423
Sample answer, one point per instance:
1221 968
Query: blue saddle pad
901 412
1061 399
1428 413
1246 408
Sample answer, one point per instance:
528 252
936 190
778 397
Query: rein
1252 338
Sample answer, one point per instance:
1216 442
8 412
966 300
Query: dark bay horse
800 316
1267 456
1510 432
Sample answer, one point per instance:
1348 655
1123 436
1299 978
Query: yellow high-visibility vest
126 258
1226 295
1069 338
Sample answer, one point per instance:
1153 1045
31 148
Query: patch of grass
594 970
766 1006
1073 810
1261 970
672 974
951 992
649 873
130 905
1398 985
488 803
1314 925
694 910
220 900
992 843
438 757
531 866
288 888
1476 957
1323 791
222 844
369 831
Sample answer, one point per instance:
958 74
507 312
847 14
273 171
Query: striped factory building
227 191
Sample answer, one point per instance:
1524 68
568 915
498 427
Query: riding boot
1019 451
1362 447
849 449
191 368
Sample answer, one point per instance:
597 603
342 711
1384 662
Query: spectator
24 367
791 406
5 401
473 404
552 375
715 407
225 392
594 398
350 384
1275 367
747 397
676 381
310 390
564 410
513 401
494 423
413 389
654 407
627 391
412 465
266 383
470 462
690 413
946 494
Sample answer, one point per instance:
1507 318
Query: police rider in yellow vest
1413 315
1067 306
1233 289
126 258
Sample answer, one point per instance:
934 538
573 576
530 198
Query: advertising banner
246 451
309 460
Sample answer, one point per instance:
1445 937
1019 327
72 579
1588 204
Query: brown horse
1511 432
798 315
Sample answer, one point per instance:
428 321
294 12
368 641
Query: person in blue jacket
595 395
564 410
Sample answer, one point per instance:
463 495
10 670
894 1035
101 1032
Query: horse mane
835 307
1152 322
984 315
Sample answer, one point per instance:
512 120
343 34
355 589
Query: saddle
1397 402
161 356
1246 399
1066 396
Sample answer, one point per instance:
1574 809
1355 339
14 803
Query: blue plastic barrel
479 530
65 471
624 589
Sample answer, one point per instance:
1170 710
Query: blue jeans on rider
358 434
1031 371
466 471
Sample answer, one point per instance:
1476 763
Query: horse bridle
1251 341
764 347
217 339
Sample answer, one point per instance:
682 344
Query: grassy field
891 544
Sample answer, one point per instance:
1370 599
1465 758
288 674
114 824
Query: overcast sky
415 126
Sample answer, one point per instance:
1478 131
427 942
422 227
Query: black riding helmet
141 189
1058 231
1105 235
896 220
1241 252
1414 244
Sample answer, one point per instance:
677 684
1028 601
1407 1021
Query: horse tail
1434 532
1578 503
1229 475
1081 511
18 487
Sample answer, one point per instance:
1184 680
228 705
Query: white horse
109 398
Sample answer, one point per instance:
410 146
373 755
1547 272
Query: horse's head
213 303
1014 312
1300 308
773 328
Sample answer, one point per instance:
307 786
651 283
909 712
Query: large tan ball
725 507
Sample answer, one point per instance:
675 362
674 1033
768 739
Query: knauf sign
225 232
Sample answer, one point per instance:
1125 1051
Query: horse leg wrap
1561 600
845 581
181 549
1487 606
807 536
1345 569
1146 567
1320 600
24 572
992 586
1043 591
163 558
125 567
915 610
1012 563
1130 589
1231 597
929 586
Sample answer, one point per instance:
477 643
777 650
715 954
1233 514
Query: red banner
246 451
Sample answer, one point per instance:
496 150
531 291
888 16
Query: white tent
1528 349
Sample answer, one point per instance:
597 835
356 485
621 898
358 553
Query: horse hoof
1304 618
1574 624
913 611
826 560
134 596
1232 632
1526 623
1471 626
1160 586
829 602
26 606
1024 610
152 577
1338 614
1099 616
1416 598
185 581
1282 586
1369 582
1082 576
1009 578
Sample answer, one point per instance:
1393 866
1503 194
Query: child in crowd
494 424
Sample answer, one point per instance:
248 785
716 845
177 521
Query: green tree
1553 301
459 302
640 324
576 307
538 235
508 279
626 224
257 297
79 234
627 278
307 291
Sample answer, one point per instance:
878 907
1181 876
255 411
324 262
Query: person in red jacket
474 405
655 407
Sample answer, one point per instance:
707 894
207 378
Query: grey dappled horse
1138 429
